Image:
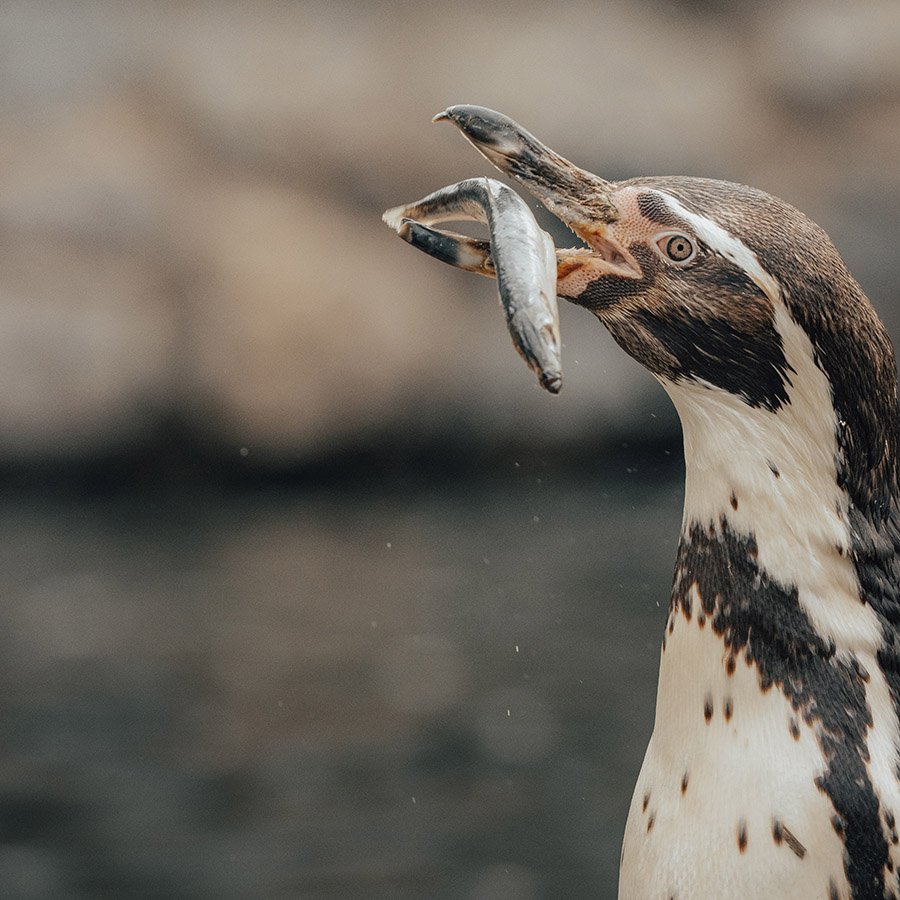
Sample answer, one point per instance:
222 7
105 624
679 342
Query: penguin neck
765 483
783 612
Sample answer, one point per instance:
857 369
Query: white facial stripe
717 238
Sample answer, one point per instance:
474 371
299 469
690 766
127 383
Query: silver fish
519 255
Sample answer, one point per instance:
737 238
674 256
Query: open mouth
531 271
604 256
579 199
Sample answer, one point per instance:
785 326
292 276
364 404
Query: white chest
726 804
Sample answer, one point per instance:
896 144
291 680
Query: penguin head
721 291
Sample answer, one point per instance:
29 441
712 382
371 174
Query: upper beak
578 198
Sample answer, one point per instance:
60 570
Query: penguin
773 769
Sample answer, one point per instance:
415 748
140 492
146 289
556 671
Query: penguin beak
579 199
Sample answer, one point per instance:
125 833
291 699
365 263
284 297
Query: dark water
442 691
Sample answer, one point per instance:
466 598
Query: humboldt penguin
772 770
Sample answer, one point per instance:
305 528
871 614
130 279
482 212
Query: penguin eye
677 247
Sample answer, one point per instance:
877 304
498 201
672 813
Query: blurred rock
96 170
85 347
296 314
273 85
314 327
826 56
190 199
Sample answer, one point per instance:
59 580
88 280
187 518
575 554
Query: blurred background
308 590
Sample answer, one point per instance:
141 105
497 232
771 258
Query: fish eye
677 247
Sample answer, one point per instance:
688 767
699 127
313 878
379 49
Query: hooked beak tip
484 127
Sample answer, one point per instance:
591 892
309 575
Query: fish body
520 255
